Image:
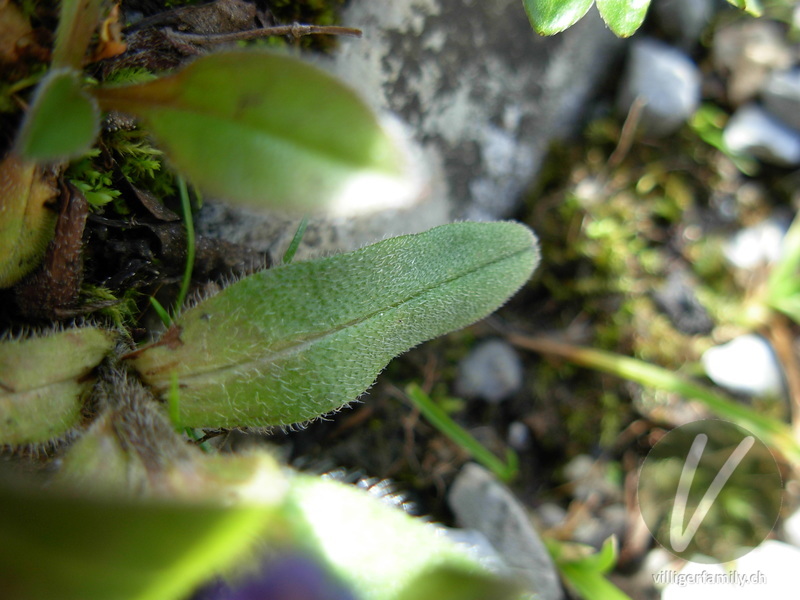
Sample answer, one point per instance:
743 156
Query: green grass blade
505 471
772 432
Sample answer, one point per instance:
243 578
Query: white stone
756 245
791 529
755 132
668 82
746 364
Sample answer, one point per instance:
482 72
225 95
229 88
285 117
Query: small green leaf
62 121
77 21
43 381
300 340
549 17
266 129
584 569
624 17
753 7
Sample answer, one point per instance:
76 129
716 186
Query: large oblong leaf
549 17
43 381
294 342
624 17
266 129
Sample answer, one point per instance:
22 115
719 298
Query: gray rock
479 96
477 86
684 20
666 80
755 132
482 503
491 371
781 96
677 298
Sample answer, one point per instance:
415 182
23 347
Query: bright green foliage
624 17
78 20
62 121
261 128
549 17
96 185
297 341
44 381
585 570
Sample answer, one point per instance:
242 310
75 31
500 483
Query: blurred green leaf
297 341
62 121
383 553
264 129
624 17
77 21
43 381
549 17
75 546
783 286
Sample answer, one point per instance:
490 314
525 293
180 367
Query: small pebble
757 245
781 96
666 79
746 364
678 300
491 371
755 132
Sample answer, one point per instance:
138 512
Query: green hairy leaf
26 220
624 17
62 121
424 565
43 381
266 129
549 17
300 340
